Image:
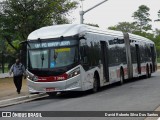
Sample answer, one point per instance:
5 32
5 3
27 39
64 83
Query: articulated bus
78 57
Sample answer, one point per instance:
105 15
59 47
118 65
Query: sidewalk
9 95
8 89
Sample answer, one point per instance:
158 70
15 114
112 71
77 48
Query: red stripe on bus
118 73
125 71
143 69
53 78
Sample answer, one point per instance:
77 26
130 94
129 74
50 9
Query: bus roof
56 31
139 38
65 30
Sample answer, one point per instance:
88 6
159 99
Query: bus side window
83 51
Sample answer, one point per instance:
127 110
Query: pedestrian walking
18 71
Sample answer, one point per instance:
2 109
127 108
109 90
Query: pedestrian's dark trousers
18 82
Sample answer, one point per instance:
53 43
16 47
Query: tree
124 27
112 27
142 19
158 16
141 26
157 32
20 17
157 42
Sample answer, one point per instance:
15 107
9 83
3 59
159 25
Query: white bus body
100 58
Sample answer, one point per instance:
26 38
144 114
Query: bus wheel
121 77
95 84
151 70
52 94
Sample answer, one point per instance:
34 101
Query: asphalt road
136 95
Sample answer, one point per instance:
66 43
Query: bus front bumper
72 84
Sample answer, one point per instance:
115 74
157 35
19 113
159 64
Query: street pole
81 13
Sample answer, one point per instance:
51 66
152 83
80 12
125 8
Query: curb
22 99
5 75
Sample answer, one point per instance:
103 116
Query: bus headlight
74 73
35 78
31 76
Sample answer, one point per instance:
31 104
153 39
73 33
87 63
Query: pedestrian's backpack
21 65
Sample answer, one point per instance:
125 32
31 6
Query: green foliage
158 60
158 19
157 32
124 27
141 24
142 19
158 51
159 13
112 27
24 16
18 18
157 43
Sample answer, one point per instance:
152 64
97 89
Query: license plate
50 89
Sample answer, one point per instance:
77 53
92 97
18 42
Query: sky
112 12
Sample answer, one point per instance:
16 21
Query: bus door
104 56
153 57
138 59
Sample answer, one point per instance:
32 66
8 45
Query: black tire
151 69
52 94
148 72
95 84
121 77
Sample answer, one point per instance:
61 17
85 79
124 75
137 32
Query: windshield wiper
42 58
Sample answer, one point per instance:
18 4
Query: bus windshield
54 57
63 57
39 58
